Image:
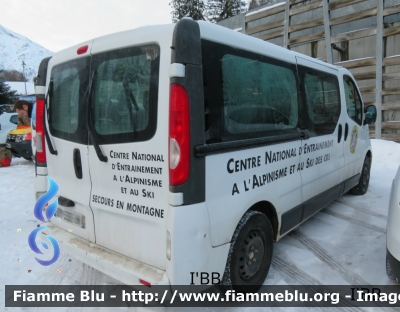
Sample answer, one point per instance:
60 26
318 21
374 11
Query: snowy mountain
15 48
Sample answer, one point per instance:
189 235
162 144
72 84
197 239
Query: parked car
8 122
393 232
5 108
19 141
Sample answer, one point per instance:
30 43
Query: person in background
24 111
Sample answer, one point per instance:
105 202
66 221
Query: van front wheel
250 254
362 186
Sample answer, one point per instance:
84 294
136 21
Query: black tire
389 271
362 186
253 238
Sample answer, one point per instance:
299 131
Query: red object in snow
5 162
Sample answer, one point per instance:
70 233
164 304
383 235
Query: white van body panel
191 249
228 193
120 267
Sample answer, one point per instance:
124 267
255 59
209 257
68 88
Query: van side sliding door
252 137
322 147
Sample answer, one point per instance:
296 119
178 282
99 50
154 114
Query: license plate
8 145
71 217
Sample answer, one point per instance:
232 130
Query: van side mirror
370 115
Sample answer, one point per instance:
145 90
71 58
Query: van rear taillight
179 135
40 147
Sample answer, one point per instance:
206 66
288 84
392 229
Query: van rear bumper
120 267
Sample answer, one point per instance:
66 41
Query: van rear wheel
250 254
362 186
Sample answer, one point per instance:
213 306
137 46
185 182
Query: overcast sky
58 24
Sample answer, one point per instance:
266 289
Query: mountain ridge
15 48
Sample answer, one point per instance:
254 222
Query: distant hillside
15 48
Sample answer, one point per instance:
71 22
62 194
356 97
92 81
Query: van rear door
68 165
129 170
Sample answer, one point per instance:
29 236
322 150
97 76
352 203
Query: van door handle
304 135
340 132
346 131
77 163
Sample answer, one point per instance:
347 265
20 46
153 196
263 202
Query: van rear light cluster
179 135
40 147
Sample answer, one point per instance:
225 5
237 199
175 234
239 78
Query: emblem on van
353 140
42 207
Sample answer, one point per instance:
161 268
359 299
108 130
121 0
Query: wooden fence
378 74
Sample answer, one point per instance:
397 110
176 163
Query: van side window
322 100
258 96
247 95
353 100
125 94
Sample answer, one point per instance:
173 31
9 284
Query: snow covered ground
345 243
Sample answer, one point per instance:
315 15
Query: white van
183 151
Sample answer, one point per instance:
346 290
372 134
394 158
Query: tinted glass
258 96
125 94
323 103
247 95
68 100
353 100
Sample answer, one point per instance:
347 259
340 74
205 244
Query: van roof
215 33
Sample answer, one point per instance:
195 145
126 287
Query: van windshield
125 94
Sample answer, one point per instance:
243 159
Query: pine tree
191 8
6 95
256 3
218 10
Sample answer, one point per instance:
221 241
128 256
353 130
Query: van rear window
68 100
121 89
125 92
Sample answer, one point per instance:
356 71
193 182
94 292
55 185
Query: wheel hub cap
251 256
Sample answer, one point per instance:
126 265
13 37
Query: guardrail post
286 26
379 61
328 46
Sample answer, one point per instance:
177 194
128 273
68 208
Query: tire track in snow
325 257
292 271
366 211
354 221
